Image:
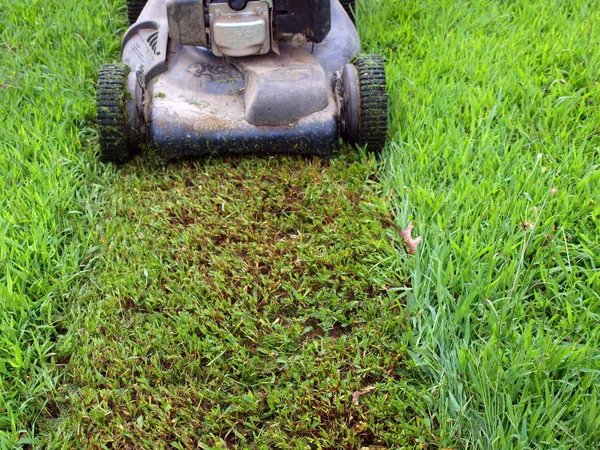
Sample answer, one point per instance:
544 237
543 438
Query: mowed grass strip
241 303
49 186
495 158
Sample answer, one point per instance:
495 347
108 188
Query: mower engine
205 77
240 28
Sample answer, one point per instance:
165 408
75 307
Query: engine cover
240 33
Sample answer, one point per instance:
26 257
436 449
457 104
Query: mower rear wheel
350 7
134 9
111 103
365 103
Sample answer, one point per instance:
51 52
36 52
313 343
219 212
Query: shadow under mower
202 77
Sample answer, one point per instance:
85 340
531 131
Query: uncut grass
495 158
49 187
239 303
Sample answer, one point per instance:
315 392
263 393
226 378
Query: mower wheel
350 7
373 105
134 9
112 112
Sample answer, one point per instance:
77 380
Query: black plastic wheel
134 9
112 112
373 106
350 7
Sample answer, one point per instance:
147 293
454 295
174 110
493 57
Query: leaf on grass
411 243
4 86
406 235
356 396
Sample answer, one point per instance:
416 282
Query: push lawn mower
202 77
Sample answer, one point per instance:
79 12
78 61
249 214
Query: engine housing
254 29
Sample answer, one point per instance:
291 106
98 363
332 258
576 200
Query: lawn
240 303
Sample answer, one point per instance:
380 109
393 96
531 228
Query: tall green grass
49 179
495 157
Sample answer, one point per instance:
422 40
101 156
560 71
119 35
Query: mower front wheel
365 103
111 103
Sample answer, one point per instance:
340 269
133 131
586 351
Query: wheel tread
112 113
373 102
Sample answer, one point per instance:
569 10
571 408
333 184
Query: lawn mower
202 77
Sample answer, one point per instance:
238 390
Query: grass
49 183
242 302
253 310
495 158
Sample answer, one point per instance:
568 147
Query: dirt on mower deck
240 305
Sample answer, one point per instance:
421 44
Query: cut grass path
240 303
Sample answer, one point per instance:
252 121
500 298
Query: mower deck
202 105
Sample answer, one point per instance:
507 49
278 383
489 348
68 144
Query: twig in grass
358 394
230 431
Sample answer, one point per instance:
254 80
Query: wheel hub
350 120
